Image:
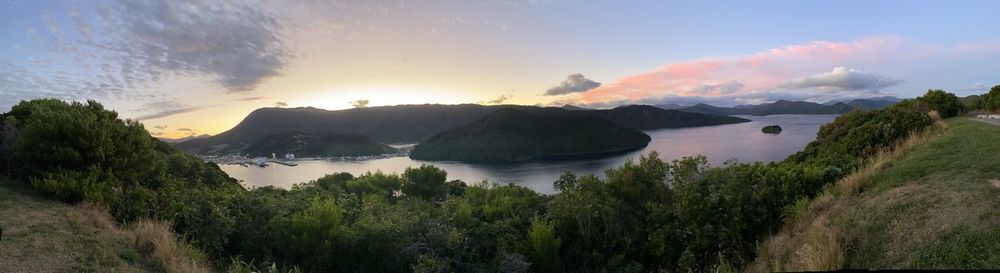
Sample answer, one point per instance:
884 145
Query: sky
191 67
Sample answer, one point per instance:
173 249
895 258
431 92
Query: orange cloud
765 70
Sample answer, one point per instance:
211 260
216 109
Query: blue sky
201 66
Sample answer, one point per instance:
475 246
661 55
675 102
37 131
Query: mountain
645 117
706 109
794 107
511 134
415 123
175 140
313 145
670 106
573 107
388 124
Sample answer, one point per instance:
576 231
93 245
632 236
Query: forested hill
510 134
415 123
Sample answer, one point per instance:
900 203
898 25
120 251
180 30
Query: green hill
311 145
510 134
931 204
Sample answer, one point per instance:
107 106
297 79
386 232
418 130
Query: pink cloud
761 71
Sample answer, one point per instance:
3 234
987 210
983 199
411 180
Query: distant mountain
670 106
175 140
388 124
573 108
794 107
645 117
512 134
416 123
313 145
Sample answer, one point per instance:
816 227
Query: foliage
947 104
991 100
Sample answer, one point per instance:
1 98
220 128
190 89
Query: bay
743 142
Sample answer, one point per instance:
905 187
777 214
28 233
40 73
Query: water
743 142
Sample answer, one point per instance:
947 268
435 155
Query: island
771 129
511 134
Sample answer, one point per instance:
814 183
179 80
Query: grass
930 204
41 235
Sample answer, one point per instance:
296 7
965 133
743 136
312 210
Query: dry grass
98 215
155 239
47 236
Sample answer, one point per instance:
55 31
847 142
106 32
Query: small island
771 129
510 135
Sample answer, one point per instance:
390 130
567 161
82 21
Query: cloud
842 78
185 130
723 88
740 75
280 104
163 109
240 45
359 103
498 100
161 127
250 99
573 84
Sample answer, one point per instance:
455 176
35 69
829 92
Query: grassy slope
932 204
41 235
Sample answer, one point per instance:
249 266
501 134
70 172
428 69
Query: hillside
415 123
313 145
931 204
511 134
645 117
41 235
782 107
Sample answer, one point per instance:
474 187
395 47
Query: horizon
186 68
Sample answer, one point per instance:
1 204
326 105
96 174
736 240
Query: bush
425 182
947 104
991 100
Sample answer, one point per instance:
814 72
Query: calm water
743 142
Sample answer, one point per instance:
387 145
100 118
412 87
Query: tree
426 182
544 247
947 104
10 133
991 100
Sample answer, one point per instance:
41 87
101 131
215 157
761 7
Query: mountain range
782 107
417 123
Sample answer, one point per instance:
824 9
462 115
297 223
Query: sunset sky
186 67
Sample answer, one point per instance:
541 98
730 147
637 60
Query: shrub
947 104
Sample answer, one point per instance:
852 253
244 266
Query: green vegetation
929 205
645 216
510 134
317 145
771 129
991 100
48 236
